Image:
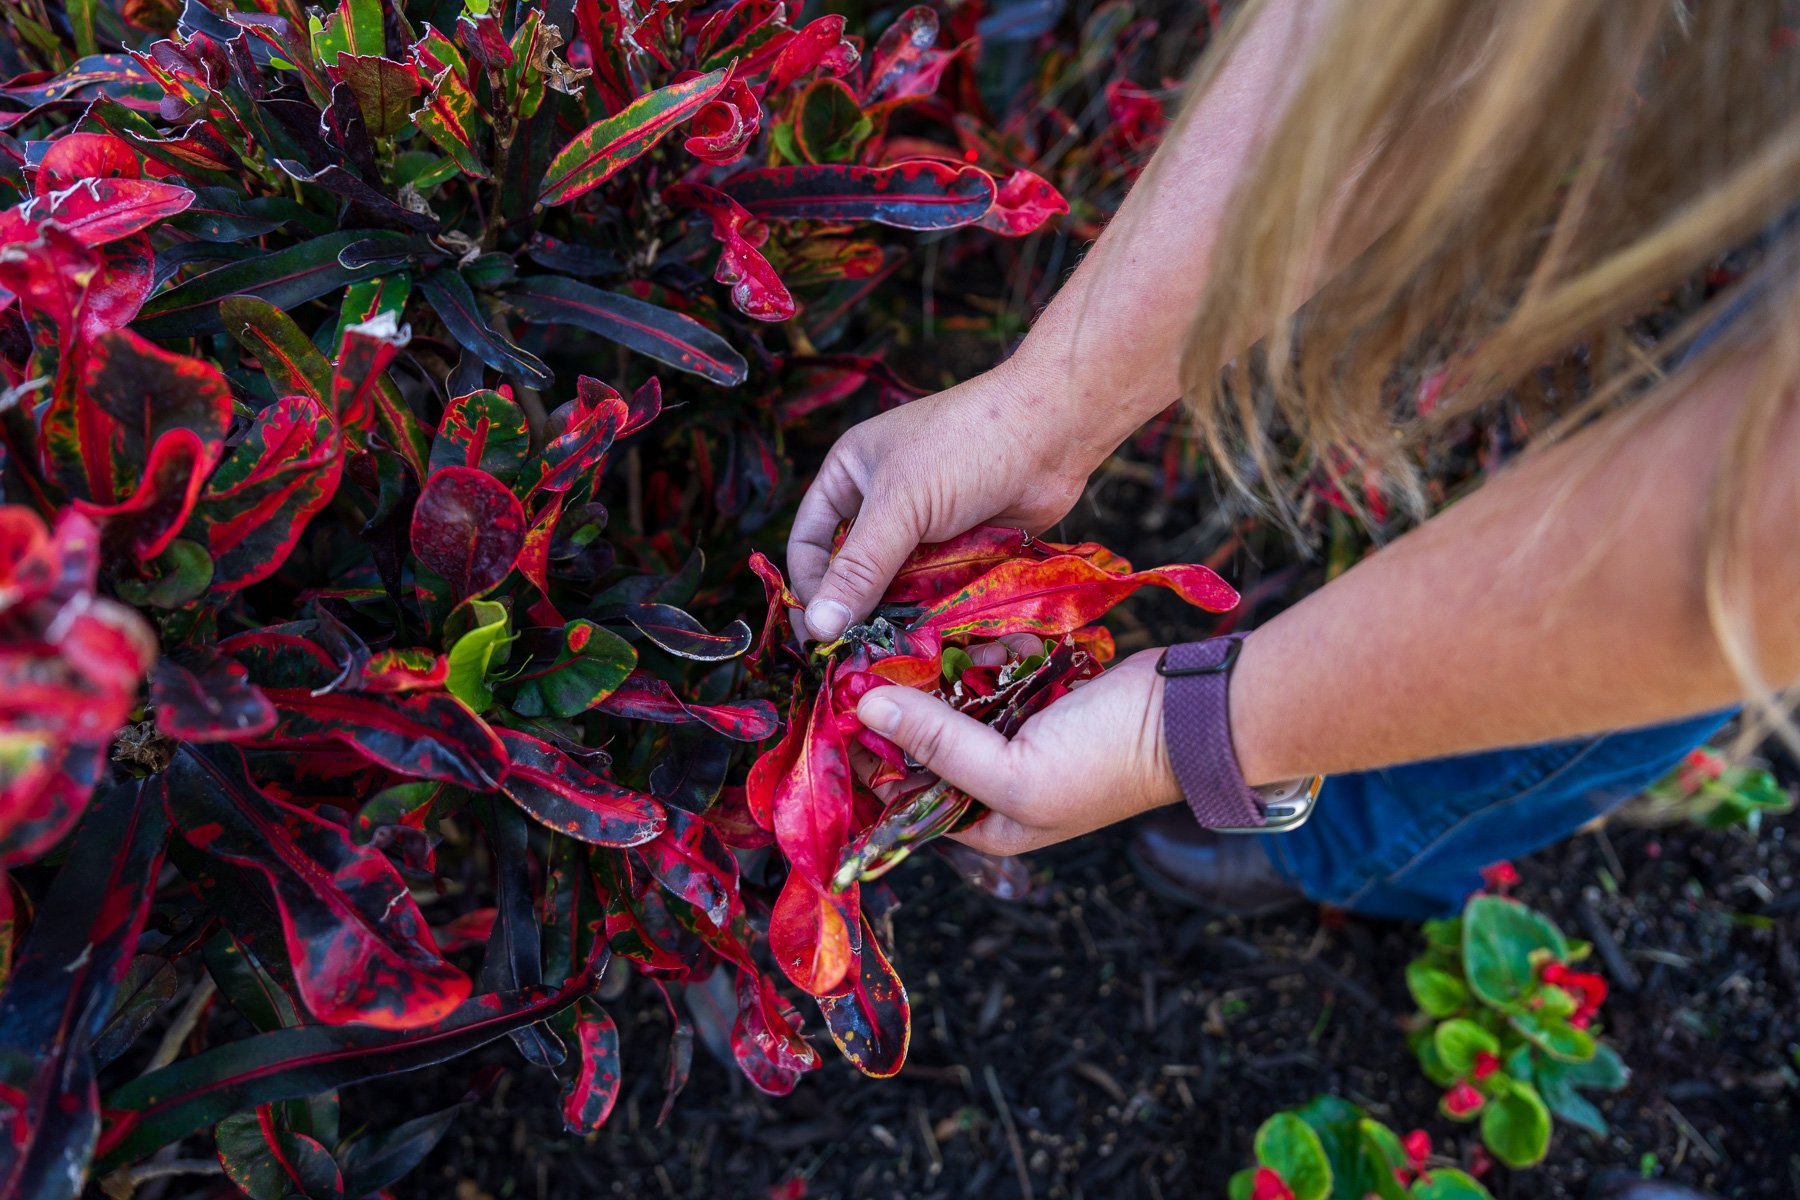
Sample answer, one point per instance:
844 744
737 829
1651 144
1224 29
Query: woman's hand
1094 757
997 448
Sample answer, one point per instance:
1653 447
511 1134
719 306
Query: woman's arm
1563 598
1017 444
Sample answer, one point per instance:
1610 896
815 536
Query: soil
1097 1041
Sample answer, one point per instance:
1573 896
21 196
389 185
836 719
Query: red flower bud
1485 1064
1463 1100
1418 1148
1554 972
1499 877
1480 1161
1269 1186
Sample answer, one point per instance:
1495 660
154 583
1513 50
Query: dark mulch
1097 1041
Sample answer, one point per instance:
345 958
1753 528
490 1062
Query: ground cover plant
1507 1025
1329 1149
298 320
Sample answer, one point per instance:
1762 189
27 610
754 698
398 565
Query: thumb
956 748
872 553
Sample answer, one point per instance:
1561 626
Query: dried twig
1012 1133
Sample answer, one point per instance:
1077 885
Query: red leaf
722 131
644 697
1053 596
766 1038
274 481
809 935
688 859
563 796
208 698
821 45
1023 203
97 211
756 289
468 528
77 156
576 438
360 949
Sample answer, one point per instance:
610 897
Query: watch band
1197 730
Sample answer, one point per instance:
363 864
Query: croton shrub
1507 1026
377 382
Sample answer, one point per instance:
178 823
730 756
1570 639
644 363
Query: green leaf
1516 1126
1568 1105
1432 1063
179 574
1288 1145
474 653
482 429
1554 1036
1499 940
1459 1040
602 149
290 1165
1605 1071
589 667
830 125
81 24
1438 993
1447 1183
1241 1184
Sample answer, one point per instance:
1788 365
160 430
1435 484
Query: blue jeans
1410 841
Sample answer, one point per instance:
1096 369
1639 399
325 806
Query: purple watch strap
1197 729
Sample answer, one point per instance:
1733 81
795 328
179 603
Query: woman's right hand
999 448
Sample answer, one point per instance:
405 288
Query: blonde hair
1502 185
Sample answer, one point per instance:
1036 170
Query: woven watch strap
1197 728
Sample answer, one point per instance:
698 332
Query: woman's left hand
1094 757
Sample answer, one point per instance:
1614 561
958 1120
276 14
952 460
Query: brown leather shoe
1226 873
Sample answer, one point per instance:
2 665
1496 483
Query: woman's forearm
1564 598
1107 351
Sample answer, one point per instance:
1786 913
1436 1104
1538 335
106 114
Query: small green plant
1711 791
1329 1149
1506 1026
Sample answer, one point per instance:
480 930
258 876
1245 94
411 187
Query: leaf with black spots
589 1095
468 528
359 947
565 797
872 1022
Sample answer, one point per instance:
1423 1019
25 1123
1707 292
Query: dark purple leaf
679 632
449 295
668 337
918 194
61 987
644 697
468 528
204 696
572 800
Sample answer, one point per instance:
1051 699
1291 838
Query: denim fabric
1410 841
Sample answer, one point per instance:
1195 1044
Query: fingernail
827 618
879 713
